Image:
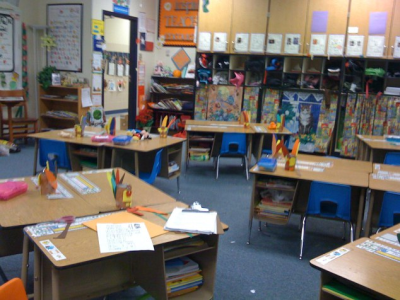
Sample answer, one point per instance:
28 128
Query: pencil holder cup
78 131
123 196
290 163
246 125
163 132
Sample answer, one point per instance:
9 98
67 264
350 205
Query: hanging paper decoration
48 42
24 60
205 4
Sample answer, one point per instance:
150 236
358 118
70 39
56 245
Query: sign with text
177 22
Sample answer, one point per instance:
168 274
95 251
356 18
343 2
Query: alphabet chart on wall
65 26
6 43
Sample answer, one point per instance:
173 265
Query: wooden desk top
143 194
31 207
88 247
339 163
149 144
376 182
54 135
378 142
393 230
331 175
387 168
369 271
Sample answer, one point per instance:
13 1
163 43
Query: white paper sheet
194 222
96 99
220 42
274 43
318 44
86 100
111 68
242 42
97 83
257 41
204 41
292 43
396 52
355 45
142 22
97 62
375 46
123 237
336 44
120 70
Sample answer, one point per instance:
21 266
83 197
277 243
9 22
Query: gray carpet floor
268 268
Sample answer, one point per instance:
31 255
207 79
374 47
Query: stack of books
183 276
170 103
172 167
199 154
275 204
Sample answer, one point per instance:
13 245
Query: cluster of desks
78 275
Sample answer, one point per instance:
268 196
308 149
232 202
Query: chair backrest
156 168
13 290
57 148
330 200
392 158
234 143
16 94
390 211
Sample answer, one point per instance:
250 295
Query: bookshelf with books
60 107
272 200
172 97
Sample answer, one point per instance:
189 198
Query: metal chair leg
351 232
246 166
250 225
259 225
303 229
177 182
217 167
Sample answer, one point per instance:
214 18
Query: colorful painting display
270 106
302 113
326 124
224 103
200 110
250 102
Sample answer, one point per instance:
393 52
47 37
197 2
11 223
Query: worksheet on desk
123 237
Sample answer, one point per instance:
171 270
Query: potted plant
145 119
44 76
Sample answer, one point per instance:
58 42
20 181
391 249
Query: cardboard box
123 122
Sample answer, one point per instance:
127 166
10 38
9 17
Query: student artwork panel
250 102
224 103
270 106
326 124
200 110
302 114
65 26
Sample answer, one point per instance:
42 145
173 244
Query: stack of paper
193 222
183 276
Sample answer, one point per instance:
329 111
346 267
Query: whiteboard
65 26
6 43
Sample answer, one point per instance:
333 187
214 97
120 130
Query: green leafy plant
44 76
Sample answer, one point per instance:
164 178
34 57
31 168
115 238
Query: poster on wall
7 43
177 21
224 103
65 26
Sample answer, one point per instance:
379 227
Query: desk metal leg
250 226
360 213
35 156
55 280
37 285
137 164
369 215
250 148
177 182
371 156
25 259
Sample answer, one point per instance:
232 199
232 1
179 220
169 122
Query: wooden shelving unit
55 98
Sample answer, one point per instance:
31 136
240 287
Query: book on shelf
172 167
179 266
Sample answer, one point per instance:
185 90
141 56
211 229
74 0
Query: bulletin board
7 43
177 21
65 26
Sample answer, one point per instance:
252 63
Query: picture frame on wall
65 27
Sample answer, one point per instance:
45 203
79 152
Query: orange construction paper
125 217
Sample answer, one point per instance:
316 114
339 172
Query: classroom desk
374 148
359 269
110 155
10 103
379 182
217 128
78 276
386 168
338 164
310 169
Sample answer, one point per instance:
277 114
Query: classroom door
120 76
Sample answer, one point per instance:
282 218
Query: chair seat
21 120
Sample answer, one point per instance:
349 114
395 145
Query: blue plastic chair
392 158
328 200
390 211
150 177
234 145
56 153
